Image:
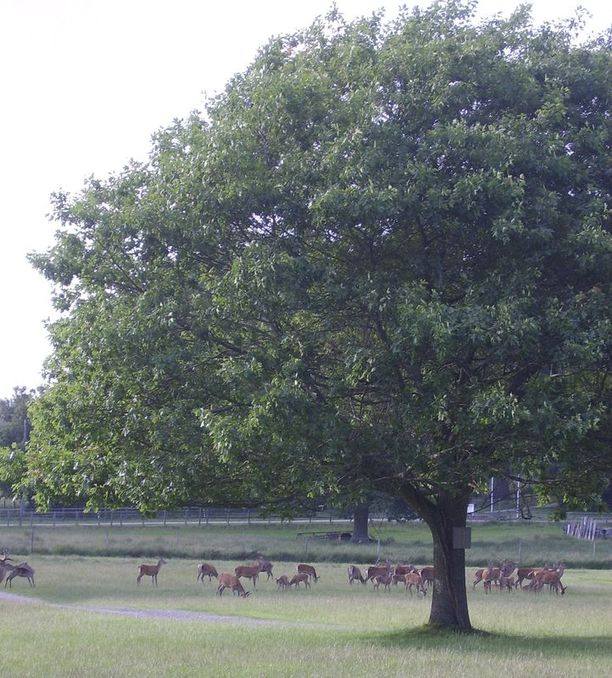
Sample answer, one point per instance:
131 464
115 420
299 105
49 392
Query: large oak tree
379 260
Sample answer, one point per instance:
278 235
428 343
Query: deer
282 582
507 582
21 570
384 579
206 570
402 570
248 572
5 566
150 571
302 568
265 566
298 578
414 579
354 573
230 581
428 575
378 570
550 577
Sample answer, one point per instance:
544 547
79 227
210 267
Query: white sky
84 83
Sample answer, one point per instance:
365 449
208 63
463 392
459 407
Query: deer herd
504 576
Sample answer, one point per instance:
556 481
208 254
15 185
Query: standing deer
265 566
22 570
150 571
428 575
384 579
248 572
414 579
206 570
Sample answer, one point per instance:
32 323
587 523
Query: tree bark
449 608
360 524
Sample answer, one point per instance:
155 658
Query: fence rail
12 517
194 515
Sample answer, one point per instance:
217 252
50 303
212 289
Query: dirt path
177 615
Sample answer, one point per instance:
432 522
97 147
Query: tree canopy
378 260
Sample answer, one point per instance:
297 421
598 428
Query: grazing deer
297 579
302 568
230 581
248 572
507 582
150 571
398 578
384 579
206 570
354 573
265 566
414 579
22 570
550 577
282 582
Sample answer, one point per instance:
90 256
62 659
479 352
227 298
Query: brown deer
384 579
5 566
354 574
150 571
550 577
22 570
428 574
282 582
402 570
378 570
414 579
265 566
206 570
297 579
230 581
248 572
302 568
507 582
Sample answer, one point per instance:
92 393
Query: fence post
186 511
111 518
200 517
165 516
53 517
249 516
120 518
227 516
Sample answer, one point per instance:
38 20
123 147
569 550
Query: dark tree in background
379 260
14 434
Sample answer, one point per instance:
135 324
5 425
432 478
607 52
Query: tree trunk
360 524
449 608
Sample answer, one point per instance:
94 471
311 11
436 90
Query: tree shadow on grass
495 643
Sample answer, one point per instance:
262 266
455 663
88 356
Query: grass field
529 543
331 630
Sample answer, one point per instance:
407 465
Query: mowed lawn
331 630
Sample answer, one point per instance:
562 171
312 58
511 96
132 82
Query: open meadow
79 618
